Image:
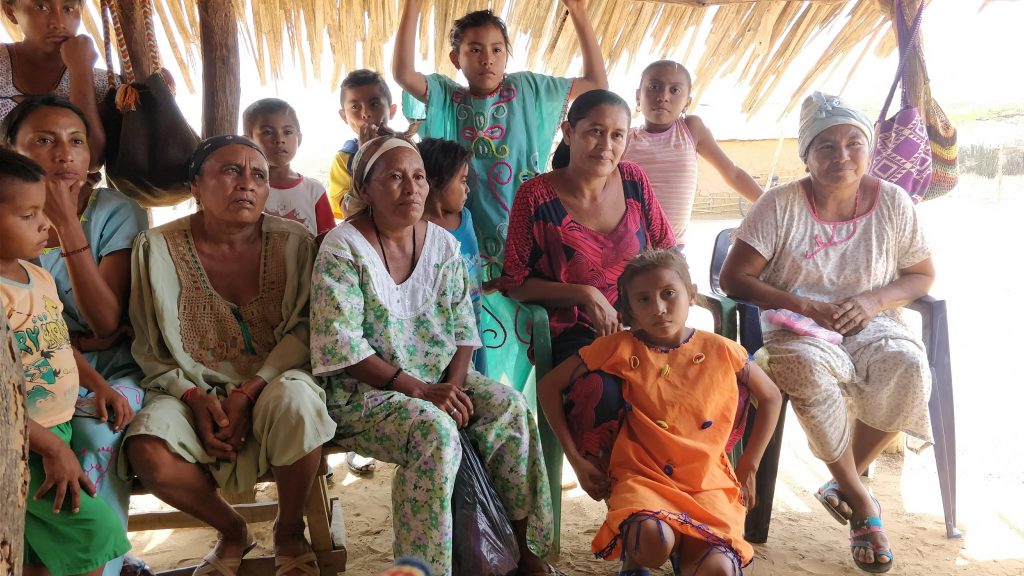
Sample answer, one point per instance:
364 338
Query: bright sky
972 58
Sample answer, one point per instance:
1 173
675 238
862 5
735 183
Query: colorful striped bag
942 134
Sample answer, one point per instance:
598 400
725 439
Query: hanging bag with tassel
902 152
149 143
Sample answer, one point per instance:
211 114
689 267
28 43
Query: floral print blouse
357 310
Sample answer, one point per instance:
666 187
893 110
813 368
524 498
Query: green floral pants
424 442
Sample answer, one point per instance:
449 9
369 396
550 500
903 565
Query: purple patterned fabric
903 153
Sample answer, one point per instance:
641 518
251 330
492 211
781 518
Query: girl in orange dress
670 490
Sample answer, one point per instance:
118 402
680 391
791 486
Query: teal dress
510 133
111 222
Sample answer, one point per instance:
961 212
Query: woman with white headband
393 333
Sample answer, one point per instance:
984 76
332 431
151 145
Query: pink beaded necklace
821 245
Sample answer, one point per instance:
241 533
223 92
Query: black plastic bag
483 543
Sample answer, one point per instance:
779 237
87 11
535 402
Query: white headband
389 144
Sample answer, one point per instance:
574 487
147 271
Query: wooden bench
323 518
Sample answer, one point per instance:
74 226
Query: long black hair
12 123
579 110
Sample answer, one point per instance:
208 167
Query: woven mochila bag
902 152
149 142
942 134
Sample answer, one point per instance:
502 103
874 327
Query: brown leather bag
149 143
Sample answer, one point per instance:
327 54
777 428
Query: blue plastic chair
722 311
935 330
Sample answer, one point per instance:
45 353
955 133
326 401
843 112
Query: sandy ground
972 233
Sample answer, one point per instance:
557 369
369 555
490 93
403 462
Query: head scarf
364 159
211 145
820 112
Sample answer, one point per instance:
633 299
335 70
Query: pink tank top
670 160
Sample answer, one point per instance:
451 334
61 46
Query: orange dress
669 460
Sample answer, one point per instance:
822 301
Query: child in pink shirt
666 146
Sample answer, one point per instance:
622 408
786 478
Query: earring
638 108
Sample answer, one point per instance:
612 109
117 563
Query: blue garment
510 133
470 251
111 222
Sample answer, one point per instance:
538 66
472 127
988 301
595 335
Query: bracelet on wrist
64 254
243 392
188 393
391 383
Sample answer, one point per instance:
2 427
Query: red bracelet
188 393
64 254
239 390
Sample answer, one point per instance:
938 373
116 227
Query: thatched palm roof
757 38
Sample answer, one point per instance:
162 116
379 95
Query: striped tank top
670 160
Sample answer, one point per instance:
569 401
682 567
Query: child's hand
106 397
595 483
64 473
78 53
746 473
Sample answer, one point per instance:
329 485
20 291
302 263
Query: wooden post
129 12
13 455
218 33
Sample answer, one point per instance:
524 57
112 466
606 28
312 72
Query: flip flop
304 563
831 488
216 566
368 467
859 530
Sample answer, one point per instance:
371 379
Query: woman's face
56 139
46 21
397 187
597 141
838 156
233 184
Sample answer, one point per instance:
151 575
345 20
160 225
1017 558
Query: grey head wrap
820 112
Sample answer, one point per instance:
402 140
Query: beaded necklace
821 245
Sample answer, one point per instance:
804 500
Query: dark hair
442 159
579 110
365 77
670 259
266 107
17 168
477 19
12 123
13 2
672 63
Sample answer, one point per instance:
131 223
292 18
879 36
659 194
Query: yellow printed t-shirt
34 313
